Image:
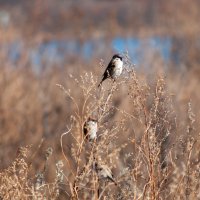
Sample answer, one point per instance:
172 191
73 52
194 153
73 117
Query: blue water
58 52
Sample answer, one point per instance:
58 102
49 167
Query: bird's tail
100 84
103 79
112 179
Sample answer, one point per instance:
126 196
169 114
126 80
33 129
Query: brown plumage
104 172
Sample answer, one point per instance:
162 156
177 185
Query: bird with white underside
90 129
114 69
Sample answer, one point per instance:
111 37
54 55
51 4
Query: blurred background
43 41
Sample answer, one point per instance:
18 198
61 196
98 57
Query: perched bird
90 129
114 68
104 172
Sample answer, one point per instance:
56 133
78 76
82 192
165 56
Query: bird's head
92 119
117 57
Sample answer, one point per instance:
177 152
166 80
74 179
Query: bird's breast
118 68
92 129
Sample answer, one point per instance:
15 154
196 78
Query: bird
104 172
90 129
114 68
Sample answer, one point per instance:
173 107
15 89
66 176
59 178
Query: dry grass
148 121
145 138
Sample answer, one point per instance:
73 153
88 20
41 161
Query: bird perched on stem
114 68
104 172
90 129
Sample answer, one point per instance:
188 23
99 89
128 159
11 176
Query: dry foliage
152 150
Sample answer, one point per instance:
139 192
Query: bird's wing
108 72
110 176
109 69
85 130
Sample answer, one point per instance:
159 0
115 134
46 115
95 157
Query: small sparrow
114 68
90 129
104 172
